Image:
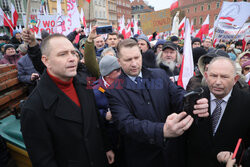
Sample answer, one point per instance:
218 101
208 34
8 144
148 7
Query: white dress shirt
223 106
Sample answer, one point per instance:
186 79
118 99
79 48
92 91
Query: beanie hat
174 38
196 40
247 63
22 48
15 32
108 64
197 53
160 42
44 34
145 38
8 46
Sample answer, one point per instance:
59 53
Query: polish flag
88 1
6 21
128 30
132 23
187 66
182 23
204 29
211 33
122 26
174 4
14 15
83 18
136 29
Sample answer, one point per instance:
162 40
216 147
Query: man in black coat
147 109
59 122
228 120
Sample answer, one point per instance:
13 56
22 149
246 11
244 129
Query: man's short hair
227 59
45 45
121 36
106 50
112 33
127 43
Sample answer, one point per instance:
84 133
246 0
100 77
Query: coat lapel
57 101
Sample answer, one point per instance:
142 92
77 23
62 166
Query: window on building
96 14
201 20
104 14
215 17
195 21
18 6
96 2
100 14
138 16
208 6
202 7
5 5
195 9
218 5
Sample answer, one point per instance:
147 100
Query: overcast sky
159 4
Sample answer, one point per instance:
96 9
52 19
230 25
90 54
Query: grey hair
159 59
109 49
227 59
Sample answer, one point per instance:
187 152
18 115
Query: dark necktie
139 82
216 114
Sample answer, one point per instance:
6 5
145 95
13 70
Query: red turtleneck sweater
67 87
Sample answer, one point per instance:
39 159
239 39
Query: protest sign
159 21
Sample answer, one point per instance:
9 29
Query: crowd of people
116 102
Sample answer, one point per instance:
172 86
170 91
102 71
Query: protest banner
228 32
159 21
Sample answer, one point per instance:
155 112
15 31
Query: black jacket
58 133
203 147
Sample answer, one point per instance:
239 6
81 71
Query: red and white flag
122 27
204 29
187 66
233 13
6 21
14 15
175 4
88 1
182 23
82 17
211 33
192 28
136 29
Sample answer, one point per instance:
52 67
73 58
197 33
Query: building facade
124 9
197 10
112 13
139 7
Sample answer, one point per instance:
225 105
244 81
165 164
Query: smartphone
104 30
189 100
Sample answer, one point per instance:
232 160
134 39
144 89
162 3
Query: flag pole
213 34
8 23
237 33
27 15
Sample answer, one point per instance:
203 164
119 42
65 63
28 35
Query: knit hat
247 63
44 34
15 32
197 53
160 42
174 38
196 40
8 46
171 45
108 64
22 48
145 38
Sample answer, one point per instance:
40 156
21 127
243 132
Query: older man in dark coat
144 104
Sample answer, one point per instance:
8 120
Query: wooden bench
12 92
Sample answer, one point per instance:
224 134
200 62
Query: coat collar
65 108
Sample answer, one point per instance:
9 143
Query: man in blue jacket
147 110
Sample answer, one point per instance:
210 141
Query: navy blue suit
140 115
